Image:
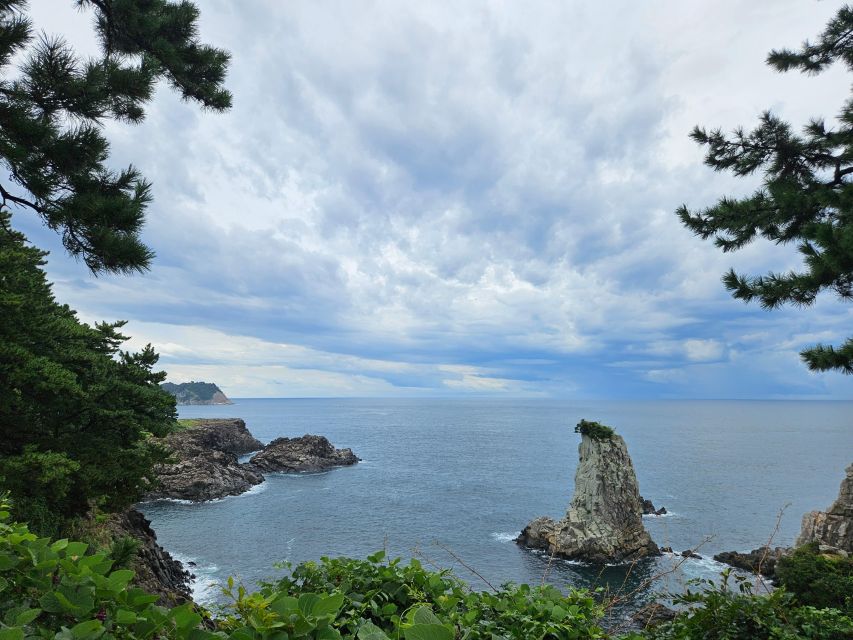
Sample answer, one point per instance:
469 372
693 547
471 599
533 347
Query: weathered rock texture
156 570
308 453
225 434
762 560
604 522
206 466
832 529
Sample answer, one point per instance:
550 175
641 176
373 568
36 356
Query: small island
196 393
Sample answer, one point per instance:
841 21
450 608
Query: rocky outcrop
308 454
156 570
649 508
205 463
224 434
832 529
762 560
604 522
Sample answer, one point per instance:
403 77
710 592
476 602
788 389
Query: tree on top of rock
806 197
52 114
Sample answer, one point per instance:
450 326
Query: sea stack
604 523
832 529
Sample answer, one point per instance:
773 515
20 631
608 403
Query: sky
452 199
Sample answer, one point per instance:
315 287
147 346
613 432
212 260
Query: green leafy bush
817 580
390 599
594 430
718 612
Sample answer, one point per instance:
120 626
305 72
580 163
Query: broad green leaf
243 633
424 615
328 605
284 605
302 627
49 602
59 545
12 633
75 549
328 634
185 617
124 616
87 629
428 632
307 601
377 557
120 579
26 617
369 631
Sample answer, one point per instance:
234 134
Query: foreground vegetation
67 591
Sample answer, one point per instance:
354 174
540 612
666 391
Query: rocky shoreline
206 463
830 530
205 466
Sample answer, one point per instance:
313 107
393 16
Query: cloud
409 187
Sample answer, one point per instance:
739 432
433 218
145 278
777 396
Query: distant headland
196 393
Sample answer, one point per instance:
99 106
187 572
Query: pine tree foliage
76 412
806 196
53 107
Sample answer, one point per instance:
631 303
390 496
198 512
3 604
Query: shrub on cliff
720 612
817 580
594 430
75 410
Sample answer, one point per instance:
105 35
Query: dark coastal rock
652 614
649 508
224 434
308 453
604 522
689 553
762 560
205 463
832 529
156 570
666 549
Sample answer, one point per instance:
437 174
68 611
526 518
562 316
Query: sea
453 481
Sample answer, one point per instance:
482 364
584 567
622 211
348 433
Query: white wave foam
506 537
204 586
668 514
258 488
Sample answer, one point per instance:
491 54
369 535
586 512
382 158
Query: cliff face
832 528
156 570
206 466
604 521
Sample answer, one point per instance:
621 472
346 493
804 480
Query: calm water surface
467 475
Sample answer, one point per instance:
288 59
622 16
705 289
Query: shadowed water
462 477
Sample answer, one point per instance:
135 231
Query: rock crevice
604 521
